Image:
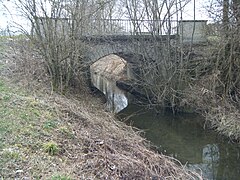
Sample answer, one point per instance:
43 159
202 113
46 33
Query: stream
183 137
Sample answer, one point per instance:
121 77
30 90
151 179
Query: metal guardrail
130 27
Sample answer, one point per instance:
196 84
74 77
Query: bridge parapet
131 27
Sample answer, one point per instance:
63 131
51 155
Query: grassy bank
45 135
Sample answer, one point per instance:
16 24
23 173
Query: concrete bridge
119 58
131 51
125 45
144 39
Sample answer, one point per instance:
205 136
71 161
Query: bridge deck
128 37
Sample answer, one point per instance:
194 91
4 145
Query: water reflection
209 165
183 137
116 98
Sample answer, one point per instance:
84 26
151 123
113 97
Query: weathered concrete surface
100 46
193 30
111 66
104 74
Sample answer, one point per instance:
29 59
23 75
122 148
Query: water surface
184 138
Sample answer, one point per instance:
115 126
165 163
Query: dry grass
91 143
221 113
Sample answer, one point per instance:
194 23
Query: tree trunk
225 19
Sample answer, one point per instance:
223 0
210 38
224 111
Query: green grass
60 177
3 40
1 64
51 148
50 124
27 128
17 113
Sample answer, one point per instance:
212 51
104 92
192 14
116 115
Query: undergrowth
45 135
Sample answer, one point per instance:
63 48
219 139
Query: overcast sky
8 20
9 16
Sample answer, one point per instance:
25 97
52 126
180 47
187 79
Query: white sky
8 20
201 13
9 17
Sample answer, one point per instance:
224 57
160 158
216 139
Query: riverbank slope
45 135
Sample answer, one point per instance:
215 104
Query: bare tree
163 74
225 18
57 26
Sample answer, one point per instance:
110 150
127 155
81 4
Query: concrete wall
186 29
